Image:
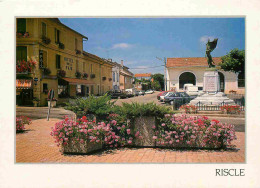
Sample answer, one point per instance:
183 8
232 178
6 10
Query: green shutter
58 61
21 25
21 53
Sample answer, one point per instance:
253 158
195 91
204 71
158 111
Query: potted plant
22 34
92 76
78 74
78 52
35 101
61 45
46 71
61 73
85 75
46 40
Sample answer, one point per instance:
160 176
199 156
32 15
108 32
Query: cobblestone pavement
37 146
41 112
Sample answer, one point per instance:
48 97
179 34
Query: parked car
141 92
123 95
129 94
178 98
132 91
164 95
149 91
114 94
160 94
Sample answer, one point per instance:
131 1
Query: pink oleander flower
154 137
128 131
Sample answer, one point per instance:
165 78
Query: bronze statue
210 47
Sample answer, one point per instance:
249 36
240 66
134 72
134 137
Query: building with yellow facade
50 55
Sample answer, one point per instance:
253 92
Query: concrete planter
144 126
82 148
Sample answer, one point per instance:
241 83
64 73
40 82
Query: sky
139 41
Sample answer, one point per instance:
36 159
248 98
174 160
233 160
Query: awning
75 81
23 84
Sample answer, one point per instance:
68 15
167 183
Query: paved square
37 146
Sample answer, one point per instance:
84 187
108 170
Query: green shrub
133 110
99 106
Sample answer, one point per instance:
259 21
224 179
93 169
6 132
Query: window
58 61
21 53
98 89
200 88
57 36
92 90
91 68
76 43
241 80
117 77
114 77
78 90
21 25
45 87
44 29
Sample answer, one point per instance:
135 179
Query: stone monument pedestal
211 88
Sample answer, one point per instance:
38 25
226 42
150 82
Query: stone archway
186 78
222 81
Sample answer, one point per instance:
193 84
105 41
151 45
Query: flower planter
35 103
82 148
144 126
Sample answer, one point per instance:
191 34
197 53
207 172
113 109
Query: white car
162 96
149 92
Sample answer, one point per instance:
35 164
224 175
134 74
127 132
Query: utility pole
165 75
165 78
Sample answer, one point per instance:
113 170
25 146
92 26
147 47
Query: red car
160 94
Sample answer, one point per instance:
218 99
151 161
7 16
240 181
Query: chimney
122 63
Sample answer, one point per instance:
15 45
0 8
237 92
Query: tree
156 85
234 61
160 78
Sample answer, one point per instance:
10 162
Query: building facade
125 77
57 60
115 74
145 76
191 70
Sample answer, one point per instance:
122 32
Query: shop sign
23 84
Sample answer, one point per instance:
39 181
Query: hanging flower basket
61 73
25 66
78 74
92 76
22 34
78 52
46 40
85 75
61 45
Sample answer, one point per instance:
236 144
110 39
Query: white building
191 70
115 74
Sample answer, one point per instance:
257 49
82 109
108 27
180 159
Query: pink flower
129 141
177 141
153 126
128 131
137 134
154 137
163 124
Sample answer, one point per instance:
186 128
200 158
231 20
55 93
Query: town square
83 99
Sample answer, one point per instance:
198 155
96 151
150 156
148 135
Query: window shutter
21 25
21 53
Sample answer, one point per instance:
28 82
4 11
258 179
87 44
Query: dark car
114 94
178 99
